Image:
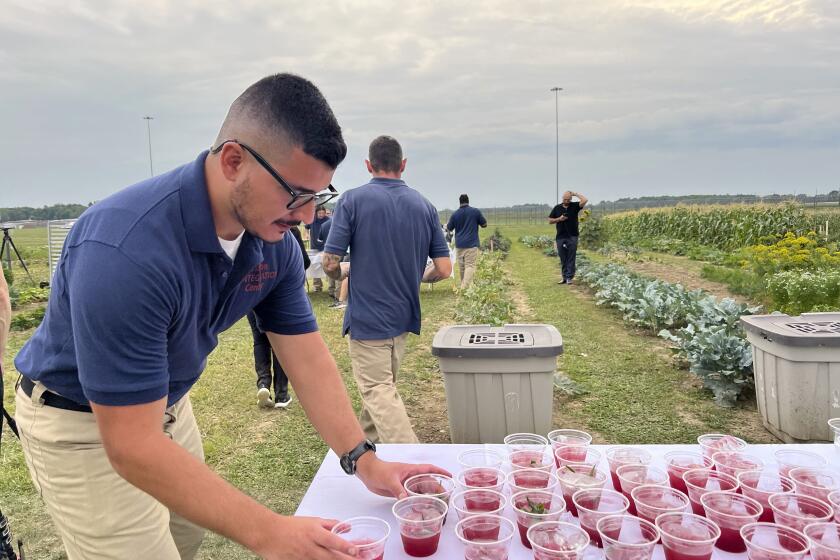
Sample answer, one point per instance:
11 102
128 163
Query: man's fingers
335 543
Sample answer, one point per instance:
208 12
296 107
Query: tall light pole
148 120
556 91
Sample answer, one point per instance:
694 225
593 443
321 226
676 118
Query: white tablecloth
335 495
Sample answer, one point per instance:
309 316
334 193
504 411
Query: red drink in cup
574 477
594 504
730 511
712 443
421 520
622 455
626 537
760 485
678 462
734 462
434 485
577 440
700 481
476 501
535 506
825 540
768 541
652 501
567 455
530 459
530 479
481 477
791 458
817 482
686 536
631 476
795 511
485 537
556 540
368 534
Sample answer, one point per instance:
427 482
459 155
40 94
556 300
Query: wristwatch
348 460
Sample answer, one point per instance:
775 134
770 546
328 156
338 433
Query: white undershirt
231 247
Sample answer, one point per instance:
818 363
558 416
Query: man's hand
332 266
386 478
302 538
562 218
439 269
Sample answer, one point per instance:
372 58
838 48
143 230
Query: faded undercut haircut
288 110
385 154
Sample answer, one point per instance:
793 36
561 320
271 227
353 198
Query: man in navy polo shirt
316 243
391 230
147 280
465 222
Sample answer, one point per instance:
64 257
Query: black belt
52 399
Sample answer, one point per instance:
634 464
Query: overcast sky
660 96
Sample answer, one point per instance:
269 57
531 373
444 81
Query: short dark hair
385 154
463 199
288 107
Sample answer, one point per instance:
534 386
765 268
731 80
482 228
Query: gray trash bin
499 380
796 361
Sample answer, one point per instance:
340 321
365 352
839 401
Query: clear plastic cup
475 501
626 537
530 459
700 481
435 485
792 458
678 462
531 479
730 511
815 482
556 540
481 477
686 536
652 501
535 506
631 476
368 534
593 504
420 519
734 462
485 537
624 455
481 457
712 443
795 511
525 442
825 540
834 500
769 541
576 439
834 424
760 485
574 477
568 455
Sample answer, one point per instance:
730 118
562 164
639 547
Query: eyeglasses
298 198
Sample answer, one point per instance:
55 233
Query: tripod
6 249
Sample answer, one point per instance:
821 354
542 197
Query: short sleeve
438 247
555 212
286 309
121 313
341 228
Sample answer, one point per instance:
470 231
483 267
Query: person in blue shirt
391 230
316 243
146 281
465 222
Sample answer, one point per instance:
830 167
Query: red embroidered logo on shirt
255 279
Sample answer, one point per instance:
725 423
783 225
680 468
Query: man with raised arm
565 217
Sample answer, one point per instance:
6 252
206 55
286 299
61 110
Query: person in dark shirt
465 222
317 238
265 358
565 217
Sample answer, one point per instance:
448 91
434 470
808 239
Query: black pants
567 251
263 360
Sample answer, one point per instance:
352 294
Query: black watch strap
348 460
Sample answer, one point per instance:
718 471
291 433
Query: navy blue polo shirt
391 229
465 221
143 288
316 240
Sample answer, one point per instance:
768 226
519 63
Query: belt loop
37 393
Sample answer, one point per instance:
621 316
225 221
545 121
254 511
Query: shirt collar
386 181
195 208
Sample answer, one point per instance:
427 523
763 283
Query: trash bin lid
509 341
808 329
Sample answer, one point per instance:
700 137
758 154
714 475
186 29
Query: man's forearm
581 198
5 315
332 266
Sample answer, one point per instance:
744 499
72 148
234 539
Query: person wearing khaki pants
391 230
465 222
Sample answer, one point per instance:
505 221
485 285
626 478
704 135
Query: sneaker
561 281
568 280
283 402
338 305
264 398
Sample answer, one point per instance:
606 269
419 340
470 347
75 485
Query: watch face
346 464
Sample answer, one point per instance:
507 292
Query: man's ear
402 165
369 166
231 161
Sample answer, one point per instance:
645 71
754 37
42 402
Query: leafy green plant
789 252
799 291
496 242
28 319
33 295
486 300
591 232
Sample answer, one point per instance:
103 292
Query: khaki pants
96 512
466 264
375 366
